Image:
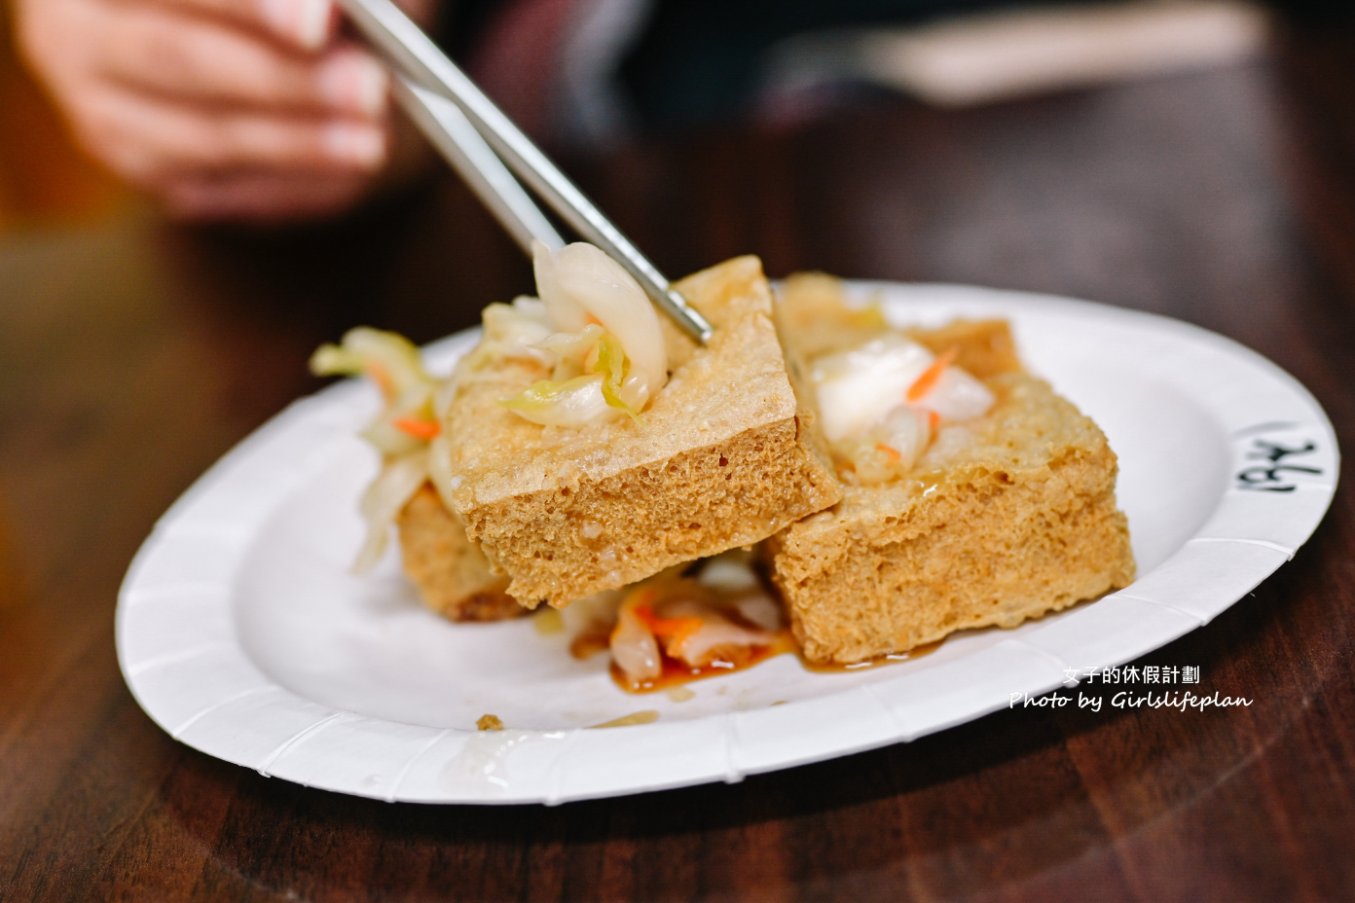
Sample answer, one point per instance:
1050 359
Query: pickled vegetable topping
407 420
590 381
401 431
606 350
719 620
882 402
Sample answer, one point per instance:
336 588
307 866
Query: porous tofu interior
452 575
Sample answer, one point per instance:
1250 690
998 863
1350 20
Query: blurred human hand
220 109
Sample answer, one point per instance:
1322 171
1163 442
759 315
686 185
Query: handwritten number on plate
1271 475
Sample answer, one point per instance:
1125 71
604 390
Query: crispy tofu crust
725 456
1005 518
452 575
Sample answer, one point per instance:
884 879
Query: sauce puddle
675 674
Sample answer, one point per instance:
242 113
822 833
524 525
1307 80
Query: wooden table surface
134 355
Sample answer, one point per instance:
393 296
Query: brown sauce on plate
675 673
890 659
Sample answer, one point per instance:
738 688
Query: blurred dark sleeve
696 61
1317 11
701 60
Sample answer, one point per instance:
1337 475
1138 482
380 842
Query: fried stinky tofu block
451 573
725 455
1005 517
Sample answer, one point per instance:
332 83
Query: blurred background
44 179
590 74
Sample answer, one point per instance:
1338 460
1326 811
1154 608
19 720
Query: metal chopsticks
482 140
451 133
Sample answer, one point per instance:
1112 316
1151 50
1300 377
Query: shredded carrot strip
933 420
889 450
419 429
665 626
927 381
678 630
675 632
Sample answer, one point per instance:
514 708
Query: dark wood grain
133 356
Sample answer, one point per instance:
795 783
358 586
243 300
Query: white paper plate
241 633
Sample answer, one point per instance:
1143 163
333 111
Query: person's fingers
303 24
198 61
275 198
44 29
152 141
